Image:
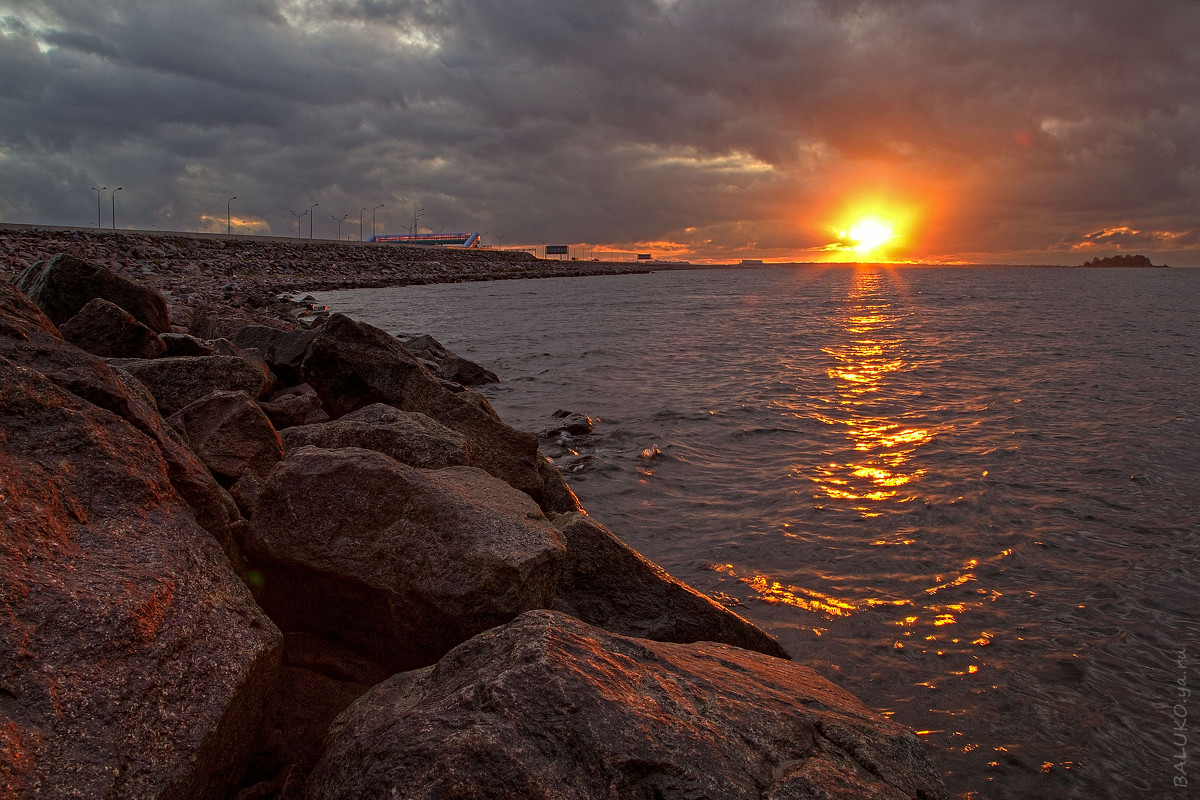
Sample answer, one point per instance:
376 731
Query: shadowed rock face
177 381
294 406
133 662
282 350
105 329
608 583
63 285
234 439
397 564
550 707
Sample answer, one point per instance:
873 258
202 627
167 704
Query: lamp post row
229 215
113 196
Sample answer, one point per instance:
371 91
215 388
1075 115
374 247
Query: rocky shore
253 552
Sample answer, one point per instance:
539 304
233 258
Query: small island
1122 261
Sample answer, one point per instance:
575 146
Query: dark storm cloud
1035 124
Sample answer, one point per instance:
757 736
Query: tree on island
1120 261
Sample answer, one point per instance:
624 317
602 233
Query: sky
1009 131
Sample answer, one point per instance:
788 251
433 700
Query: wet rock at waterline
352 365
569 422
608 583
550 707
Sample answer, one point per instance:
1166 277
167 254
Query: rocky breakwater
296 562
248 272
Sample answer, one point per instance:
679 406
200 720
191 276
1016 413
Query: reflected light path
872 474
872 352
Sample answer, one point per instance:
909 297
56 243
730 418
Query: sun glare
872 230
869 234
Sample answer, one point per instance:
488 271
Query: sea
968 495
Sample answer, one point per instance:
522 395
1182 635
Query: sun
870 229
868 234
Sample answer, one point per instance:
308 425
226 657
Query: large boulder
608 583
352 365
396 563
211 504
550 707
426 347
29 339
466 372
133 661
410 438
105 329
295 405
63 285
234 439
182 344
449 366
220 320
282 350
180 380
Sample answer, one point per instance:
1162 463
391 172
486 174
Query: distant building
442 239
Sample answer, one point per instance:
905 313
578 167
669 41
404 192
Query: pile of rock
297 562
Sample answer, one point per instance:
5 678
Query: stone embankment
301 559
242 269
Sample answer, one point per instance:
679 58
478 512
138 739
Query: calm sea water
969 496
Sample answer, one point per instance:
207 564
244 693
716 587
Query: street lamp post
228 224
114 206
373 219
416 213
339 222
360 219
298 217
98 191
310 219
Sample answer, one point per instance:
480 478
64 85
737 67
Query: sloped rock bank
133 661
189 600
550 707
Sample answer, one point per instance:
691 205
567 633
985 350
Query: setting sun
870 234
873 227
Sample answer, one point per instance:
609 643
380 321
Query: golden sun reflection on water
873 473
873 351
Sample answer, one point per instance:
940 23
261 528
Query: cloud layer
1028 130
